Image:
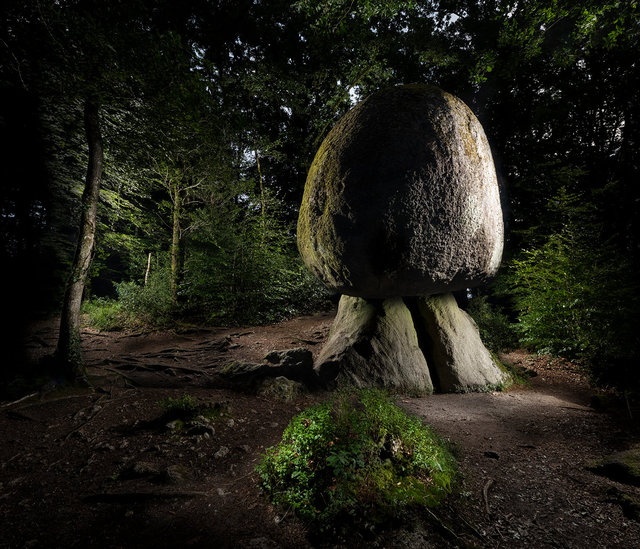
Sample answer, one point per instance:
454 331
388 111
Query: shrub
356 458
187 408
496 331
578 296
105 314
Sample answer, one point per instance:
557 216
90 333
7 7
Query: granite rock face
458 360
402 198
374 343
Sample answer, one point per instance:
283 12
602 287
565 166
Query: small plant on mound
358 458
186 408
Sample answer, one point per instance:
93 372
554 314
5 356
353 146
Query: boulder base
458 360
409 345
373 343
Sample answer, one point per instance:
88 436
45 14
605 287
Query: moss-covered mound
358 458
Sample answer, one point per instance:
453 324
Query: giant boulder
402 198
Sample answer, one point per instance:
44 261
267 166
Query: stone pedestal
409 345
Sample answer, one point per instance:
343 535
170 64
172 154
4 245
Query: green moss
358 457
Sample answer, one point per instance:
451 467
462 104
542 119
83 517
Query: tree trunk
68 352
146 273
176 244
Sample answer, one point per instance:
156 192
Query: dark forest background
211 113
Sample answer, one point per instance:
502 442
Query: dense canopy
209 116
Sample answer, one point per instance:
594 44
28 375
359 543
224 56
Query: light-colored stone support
373 343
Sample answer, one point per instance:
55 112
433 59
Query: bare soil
97 467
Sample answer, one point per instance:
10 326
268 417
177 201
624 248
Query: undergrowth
186 408
356 460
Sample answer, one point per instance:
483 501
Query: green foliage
186 408
496 331
356 458
578 296
105 314
243 266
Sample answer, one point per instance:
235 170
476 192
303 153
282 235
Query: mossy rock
622 467
402 198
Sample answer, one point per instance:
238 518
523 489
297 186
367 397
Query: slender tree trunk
262 204
68 352
146 273
176 244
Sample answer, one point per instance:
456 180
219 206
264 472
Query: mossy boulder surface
373 343
622 467
402 198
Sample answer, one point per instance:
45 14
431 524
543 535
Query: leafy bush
105 314
578 296
356 458
496 331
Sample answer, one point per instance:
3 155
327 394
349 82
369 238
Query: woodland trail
95 467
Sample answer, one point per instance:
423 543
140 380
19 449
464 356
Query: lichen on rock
402 198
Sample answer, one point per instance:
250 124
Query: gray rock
295 364
237 371
402 198
223 451
175 474
458 360
299 356
199 427
143 468
281 388
373 343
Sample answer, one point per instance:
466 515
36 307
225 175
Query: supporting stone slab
373 343
458 360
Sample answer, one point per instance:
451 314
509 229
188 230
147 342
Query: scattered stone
175 474
374 343
281 388
199 428
230 423
222 452
143 468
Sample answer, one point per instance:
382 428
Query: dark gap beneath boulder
425 342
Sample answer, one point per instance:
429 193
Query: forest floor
98 468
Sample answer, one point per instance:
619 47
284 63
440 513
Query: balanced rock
402 198
374 343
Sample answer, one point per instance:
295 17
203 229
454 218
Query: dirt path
98 468
530 450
